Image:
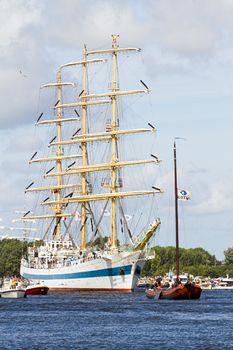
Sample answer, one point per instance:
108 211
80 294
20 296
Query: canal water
116 321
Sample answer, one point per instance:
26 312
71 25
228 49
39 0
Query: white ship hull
118 272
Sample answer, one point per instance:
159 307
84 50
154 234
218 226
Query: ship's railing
58 263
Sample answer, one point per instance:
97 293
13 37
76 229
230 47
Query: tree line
195 261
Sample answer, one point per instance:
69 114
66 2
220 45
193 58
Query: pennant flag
183 195
78 216
128 217
106 212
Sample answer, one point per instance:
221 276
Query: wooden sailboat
178 291
61 262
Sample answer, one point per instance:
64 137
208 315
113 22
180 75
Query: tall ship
87 243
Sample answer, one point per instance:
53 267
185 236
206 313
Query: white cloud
214 199
15 16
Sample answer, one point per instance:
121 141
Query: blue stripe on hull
116 271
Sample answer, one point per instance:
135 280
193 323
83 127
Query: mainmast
176 215
84 153
114 143
57 192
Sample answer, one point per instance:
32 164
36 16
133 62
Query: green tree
11 251
228 256
196 261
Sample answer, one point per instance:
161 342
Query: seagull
25 76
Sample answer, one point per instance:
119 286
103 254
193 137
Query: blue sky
187 61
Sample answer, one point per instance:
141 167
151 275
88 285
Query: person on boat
150 287
13 284
177 282
190 279
158 283
166 284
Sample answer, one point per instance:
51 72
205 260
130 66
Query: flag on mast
183 195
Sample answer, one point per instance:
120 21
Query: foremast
58 208
59 157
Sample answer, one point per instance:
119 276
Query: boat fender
122 271
137 270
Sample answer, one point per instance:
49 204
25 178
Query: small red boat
179 292
37 290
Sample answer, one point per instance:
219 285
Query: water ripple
116 321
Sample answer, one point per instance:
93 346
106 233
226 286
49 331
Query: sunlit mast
83 142
84 154
114 144
58 209
114 136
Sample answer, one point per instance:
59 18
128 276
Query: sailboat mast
58 161
176 215
84 153
114 144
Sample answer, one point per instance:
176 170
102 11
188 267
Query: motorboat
12 289
223 283
37 289
13 293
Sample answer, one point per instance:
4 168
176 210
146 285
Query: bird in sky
20 72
